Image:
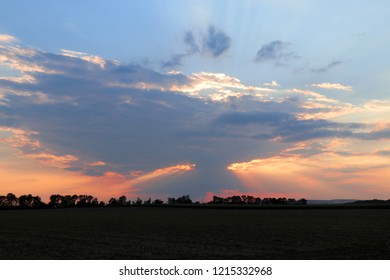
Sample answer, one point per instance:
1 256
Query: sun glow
162 173
347 175
44 174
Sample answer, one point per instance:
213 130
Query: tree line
251 200
11 201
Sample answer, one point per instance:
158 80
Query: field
195 233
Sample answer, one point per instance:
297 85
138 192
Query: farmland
195 233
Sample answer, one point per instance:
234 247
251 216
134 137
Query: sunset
200 98
190 139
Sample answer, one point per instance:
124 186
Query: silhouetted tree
113 202
84 200
3 200
302 201
157 202
37 202
266 201
26 201
291 201
65 201
138 201
122 200
217 200
94 202
250 199
148 202
236 200
68 201
185 199
55 200
257 201
12 200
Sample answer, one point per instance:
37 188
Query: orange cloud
113 184
25 79
97 163
53 160
312 95
94 59
161 173
21 174
19 137
336 86
15 58
44 174
324 175
371 112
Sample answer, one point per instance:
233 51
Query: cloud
288 128
125 116
216 42
377 105
189 40
20 138
98 163
220 87
272 84
335 86
113 122
381 134
245 118
383 152
176 60
20 59
327 174
62 161
4 38
90 58
168 171
327 67
275 51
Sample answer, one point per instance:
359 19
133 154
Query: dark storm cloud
245 118
123 115
303 130
275 51
290 129
216 42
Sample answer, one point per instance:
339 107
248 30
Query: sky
169 98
